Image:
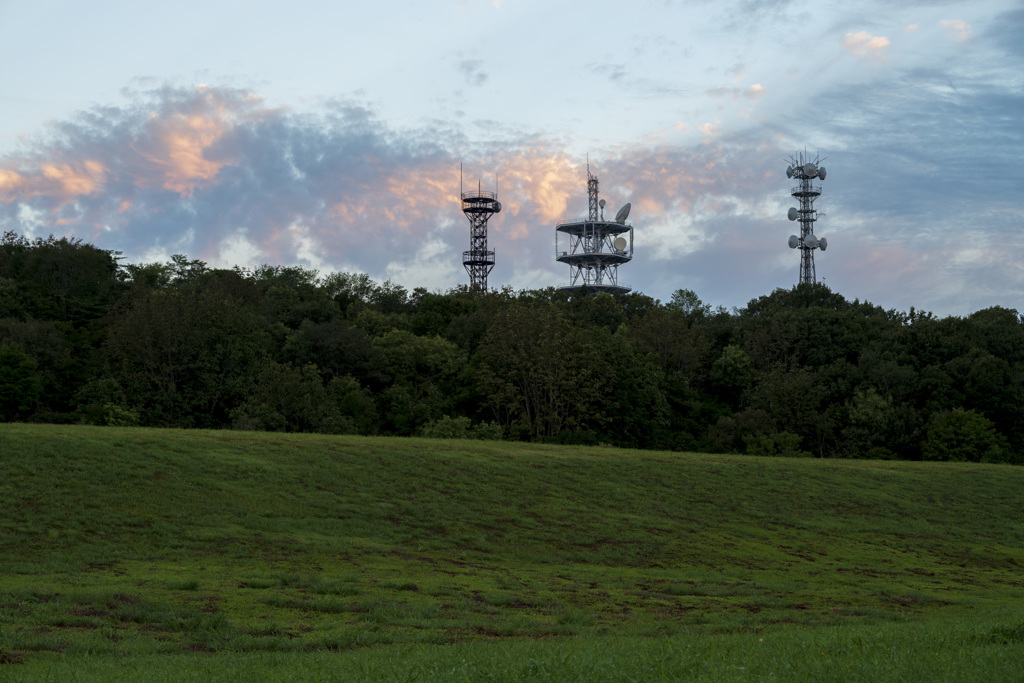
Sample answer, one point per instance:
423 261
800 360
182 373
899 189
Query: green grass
183 553
886 652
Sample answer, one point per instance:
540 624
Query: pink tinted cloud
61 179
177 152
863 43
215 174
957 29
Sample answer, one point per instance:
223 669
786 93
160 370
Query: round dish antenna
822 244
809 170
821 172
811 242
794 241
793 213
620 217
620 243
497 207
602 203
789 171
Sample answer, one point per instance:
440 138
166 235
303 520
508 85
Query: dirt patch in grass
12 658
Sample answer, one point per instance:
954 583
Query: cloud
956 29
863 43
217 174
1006 29
911 28
66 180
613 72
472 72
753 92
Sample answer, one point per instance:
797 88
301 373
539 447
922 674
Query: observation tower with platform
478 206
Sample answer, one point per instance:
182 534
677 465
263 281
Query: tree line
85 338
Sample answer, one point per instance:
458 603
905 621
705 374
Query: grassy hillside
141 542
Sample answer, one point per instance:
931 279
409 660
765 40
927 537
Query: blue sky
329 135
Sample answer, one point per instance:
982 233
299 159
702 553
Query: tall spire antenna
803 169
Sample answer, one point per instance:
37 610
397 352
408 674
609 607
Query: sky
329 135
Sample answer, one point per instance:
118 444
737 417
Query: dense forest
86 338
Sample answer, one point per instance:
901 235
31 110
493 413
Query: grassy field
184 555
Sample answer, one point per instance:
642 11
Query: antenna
596 247
805 170
478 206
623 213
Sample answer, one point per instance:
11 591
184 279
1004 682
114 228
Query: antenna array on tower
596 247
805 170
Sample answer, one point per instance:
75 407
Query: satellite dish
811 242
601 203
810 170
821 172
619 243
794 241
822 243
497 207
792 214
620 217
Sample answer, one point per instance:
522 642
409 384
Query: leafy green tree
64 356
12 305
965 436
354 403
461 428
435 313
291 296
61 279
782 444
733 433
543 375
732 374
418 378
869 419
351 291
184 357
335 347
795 401
20 386
103 402
687 303
289 399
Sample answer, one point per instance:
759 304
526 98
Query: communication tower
478 206
596 247
803 169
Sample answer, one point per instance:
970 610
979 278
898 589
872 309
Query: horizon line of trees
85 338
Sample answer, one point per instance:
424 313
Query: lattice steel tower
478 206
803 169
596 247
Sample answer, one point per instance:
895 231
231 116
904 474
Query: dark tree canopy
800 371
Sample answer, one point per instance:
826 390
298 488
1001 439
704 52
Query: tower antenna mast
596 247
805 170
